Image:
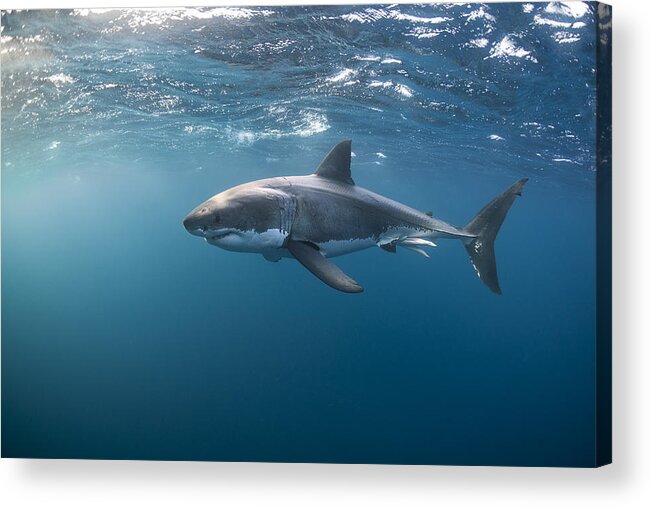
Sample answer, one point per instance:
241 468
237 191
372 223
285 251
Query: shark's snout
194 223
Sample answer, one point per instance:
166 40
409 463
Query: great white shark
322 215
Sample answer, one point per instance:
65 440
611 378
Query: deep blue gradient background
125 337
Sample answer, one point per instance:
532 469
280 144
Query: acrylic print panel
435 292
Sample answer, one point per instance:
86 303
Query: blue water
125 337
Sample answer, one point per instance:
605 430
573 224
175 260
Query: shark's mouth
220 234
216 235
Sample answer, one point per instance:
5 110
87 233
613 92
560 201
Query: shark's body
323 215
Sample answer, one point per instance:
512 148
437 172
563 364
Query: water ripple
444 74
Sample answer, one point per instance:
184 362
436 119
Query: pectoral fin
322 268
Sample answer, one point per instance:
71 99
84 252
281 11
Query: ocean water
125 337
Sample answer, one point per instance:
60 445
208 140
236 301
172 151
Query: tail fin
485 227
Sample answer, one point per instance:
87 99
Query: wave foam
371 15
566 37
141 17
506 49
417 19
571 9
478 43
403 90
60 79
309 124
480 13
539 20
344 75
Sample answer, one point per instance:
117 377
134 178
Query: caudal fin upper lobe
485 226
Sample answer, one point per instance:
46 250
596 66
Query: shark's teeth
407 242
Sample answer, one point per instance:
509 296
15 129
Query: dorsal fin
336 164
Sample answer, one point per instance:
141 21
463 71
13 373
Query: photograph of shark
315 217
342 146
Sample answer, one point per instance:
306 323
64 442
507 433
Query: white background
626 482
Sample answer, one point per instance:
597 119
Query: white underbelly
334 248
251 241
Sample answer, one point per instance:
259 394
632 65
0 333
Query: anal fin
310 257
272 256
389 247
